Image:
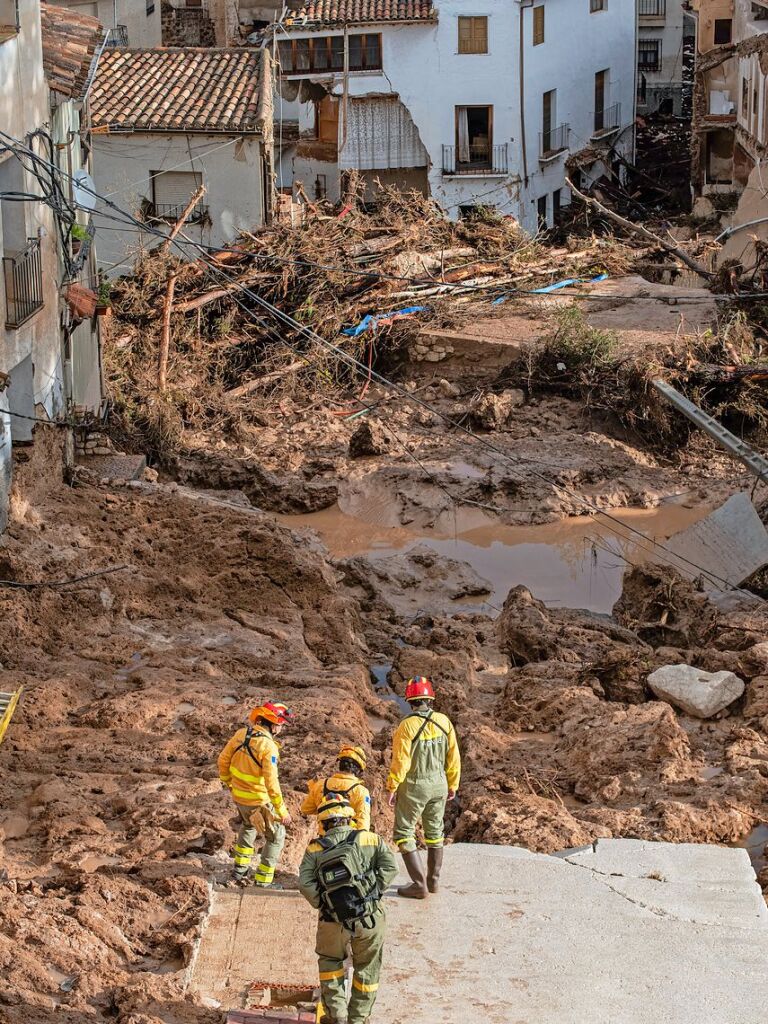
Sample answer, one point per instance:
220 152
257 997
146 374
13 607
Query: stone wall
187 26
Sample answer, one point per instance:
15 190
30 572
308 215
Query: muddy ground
113 822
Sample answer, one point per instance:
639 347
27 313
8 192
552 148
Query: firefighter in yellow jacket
346 782
423 775
248 768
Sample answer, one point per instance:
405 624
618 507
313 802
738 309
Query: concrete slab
731 543
255 939
621 932
114 467
531 939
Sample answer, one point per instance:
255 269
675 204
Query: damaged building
666 35
474 109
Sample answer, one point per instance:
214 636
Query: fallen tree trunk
649 236
194 199
165 335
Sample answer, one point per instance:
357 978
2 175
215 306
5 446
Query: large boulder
491 411
698 693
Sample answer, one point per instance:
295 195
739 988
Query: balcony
117 36
23 275
553 142
606 122
483 159
652 8
171 213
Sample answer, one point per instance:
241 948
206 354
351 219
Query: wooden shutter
538 24
174 188
473 35
328 120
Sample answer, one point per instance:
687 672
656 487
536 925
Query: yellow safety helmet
356 754
335 805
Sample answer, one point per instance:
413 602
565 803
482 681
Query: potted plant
78 235
103 303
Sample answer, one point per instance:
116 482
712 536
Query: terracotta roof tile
177 88
358 12
70 40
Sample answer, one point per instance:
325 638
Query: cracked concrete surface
641 933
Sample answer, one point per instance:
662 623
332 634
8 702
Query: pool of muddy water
574 563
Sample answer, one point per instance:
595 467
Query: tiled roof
358 12
70 40
184 89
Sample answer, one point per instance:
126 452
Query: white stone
698 693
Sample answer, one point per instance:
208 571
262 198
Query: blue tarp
370 321
556 287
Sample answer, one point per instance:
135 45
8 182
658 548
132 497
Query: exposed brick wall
187 26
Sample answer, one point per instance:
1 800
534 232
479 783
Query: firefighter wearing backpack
347 782
424 774
343 874
248 768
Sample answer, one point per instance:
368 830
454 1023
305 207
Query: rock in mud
370 438
490 411
698 693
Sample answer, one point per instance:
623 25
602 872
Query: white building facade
474 105
665 49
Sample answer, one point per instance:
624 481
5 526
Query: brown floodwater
575 563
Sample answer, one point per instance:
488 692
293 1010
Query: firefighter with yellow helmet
248 769
423 775
343 875
346 782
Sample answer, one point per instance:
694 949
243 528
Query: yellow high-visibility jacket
424 751
347 785
252 777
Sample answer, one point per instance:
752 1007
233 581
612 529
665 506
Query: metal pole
755 463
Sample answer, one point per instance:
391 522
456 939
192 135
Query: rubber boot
434 865
417 890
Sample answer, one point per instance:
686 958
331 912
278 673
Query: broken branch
649 236
194 199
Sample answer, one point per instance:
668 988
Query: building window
171 191
597 5
473 35
474 135
538 25
649 54
744 98
150 7
9 18
722 31
548 121
601 86
326 53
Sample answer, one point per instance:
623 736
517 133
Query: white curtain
463 131
381 135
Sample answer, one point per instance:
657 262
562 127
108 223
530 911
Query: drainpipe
523 5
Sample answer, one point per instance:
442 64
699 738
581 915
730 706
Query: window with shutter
171 191
473 35
538 25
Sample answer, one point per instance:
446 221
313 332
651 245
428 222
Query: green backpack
348 888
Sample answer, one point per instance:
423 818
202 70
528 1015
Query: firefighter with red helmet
248 769
423 775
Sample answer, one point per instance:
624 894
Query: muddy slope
113 821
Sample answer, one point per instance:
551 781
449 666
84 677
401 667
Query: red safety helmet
419 688
273 711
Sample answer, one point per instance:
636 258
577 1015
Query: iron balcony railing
117 36
171 213
483 159
554 141
23 276
652 8
608 119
